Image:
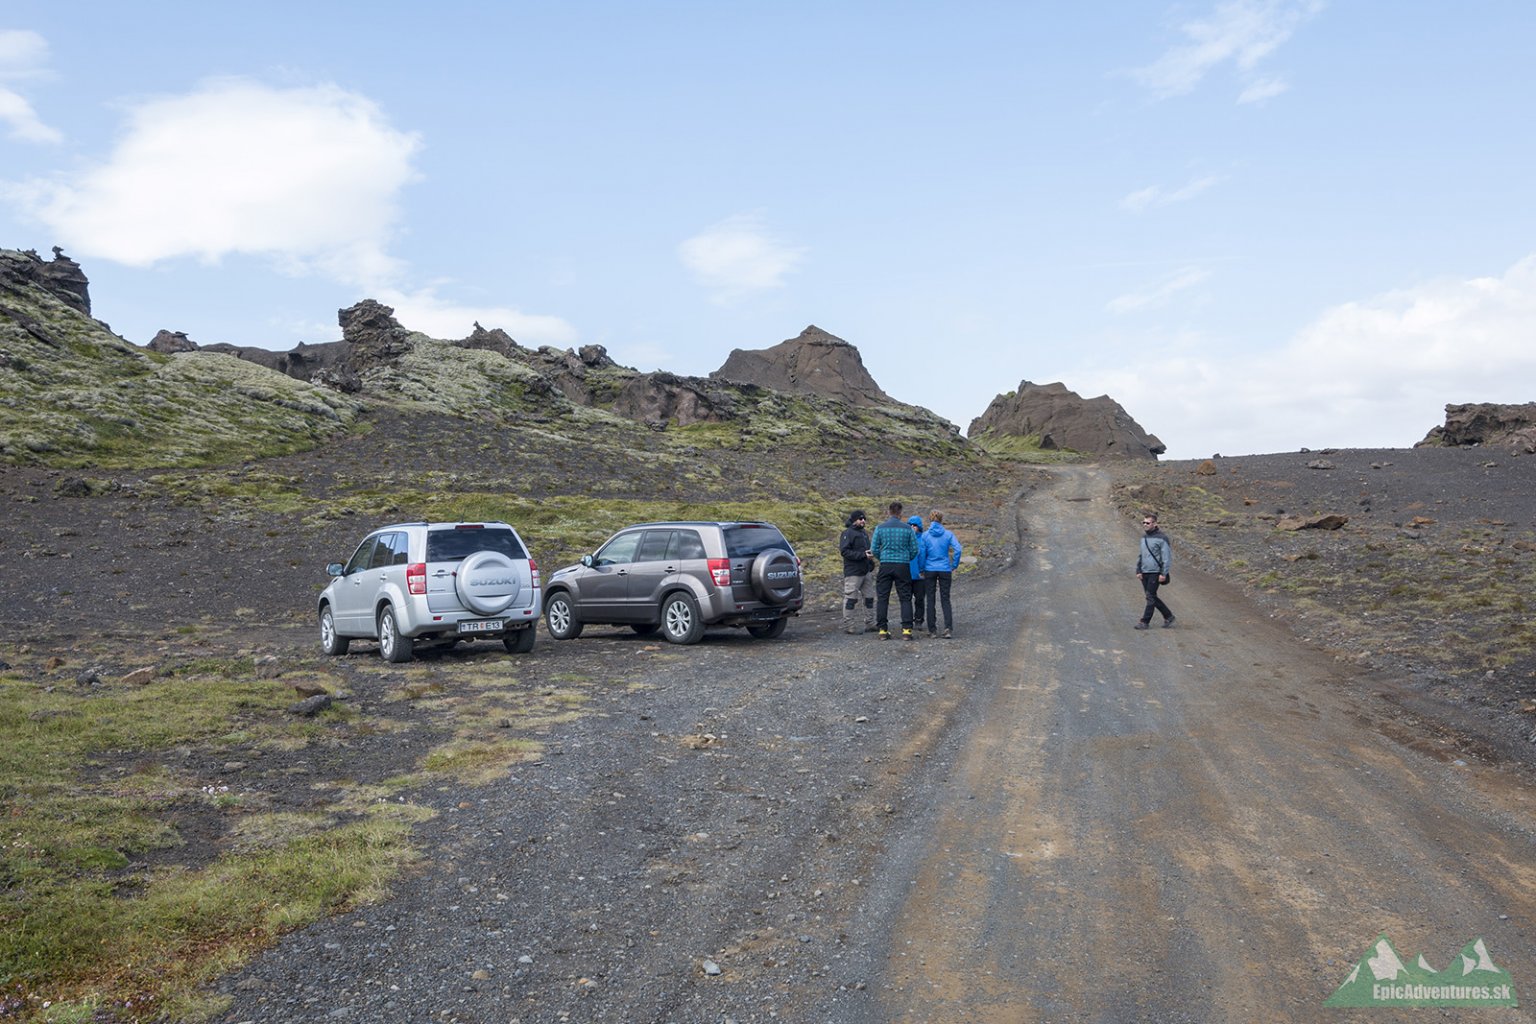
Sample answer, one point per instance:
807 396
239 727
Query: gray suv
679 578
432 585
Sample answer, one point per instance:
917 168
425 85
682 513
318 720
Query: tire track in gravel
1204 824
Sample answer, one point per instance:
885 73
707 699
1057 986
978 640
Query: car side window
654 547
686 544
400 547
361 557
620 550
383 553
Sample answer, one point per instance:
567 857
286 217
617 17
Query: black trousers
937 585
900 577
1149 583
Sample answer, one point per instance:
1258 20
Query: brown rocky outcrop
1064 419
171 342
374 336
658 399
61 277
815 363
1486 423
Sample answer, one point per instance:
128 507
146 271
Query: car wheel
560 617
392 646
769 630
488 582
520 642
680 622
330 642
644 628
775 576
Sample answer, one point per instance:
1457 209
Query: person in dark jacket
858 583
1153 561
919 590
941 555
894 545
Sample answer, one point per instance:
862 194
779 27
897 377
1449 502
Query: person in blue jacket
915 567
940 557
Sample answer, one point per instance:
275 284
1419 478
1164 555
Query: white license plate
482 626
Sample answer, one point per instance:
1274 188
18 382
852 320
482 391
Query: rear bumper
416 621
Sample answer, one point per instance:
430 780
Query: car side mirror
588 561
335 569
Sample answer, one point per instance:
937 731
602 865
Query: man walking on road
1153 560
857 584
894 545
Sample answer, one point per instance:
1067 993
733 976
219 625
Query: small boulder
311 707
1322 522
140 676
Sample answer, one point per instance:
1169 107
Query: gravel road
1048 818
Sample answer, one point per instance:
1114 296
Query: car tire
680 622
519 642
470 578
769 630
560 617
393 647
645 628
331 642
767 564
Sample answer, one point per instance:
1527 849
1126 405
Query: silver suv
432 584
679 578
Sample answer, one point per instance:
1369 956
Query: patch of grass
77 919
477 762
1015 448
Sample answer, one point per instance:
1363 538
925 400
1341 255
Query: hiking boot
885 634
906 634
946 634
1141 625
1168 622
933 632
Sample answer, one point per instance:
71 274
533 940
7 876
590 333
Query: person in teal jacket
940 558
895 545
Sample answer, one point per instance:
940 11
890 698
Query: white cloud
1239 32
1373 373
1263 89
1156 195
307 176
425 311
1160 293
23 55
737 256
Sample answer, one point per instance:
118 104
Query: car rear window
457 545
750 538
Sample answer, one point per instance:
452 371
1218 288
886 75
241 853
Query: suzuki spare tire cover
488 582
775 576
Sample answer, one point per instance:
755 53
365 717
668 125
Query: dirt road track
1050 818
1207 823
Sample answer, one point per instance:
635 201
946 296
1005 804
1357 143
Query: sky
1258 225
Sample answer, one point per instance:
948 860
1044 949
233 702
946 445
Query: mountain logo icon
1381 978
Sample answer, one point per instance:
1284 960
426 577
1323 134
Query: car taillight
533 567
416 577
720 571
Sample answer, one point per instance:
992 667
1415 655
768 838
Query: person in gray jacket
1153 561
